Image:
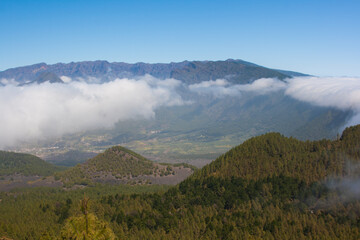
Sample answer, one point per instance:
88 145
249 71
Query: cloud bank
338 92
341 93
52 110
218 88
222 87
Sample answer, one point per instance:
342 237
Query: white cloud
342 93
218 88
5 81
207 84
66 79
337 92
221 87
51 110
262 86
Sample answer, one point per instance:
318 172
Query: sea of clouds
338 92
51 110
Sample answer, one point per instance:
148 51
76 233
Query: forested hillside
274 154
26 164
117 165
270 187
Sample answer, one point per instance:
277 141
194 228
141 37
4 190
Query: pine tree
86 227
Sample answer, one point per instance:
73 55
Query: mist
52 110
342 189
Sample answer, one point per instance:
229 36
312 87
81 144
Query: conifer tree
87 226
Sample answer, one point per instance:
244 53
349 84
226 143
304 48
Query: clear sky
320 37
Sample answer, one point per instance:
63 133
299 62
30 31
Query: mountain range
190 72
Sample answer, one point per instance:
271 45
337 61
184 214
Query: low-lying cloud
342 93
5 81
346 187
52 110
222 87
338 92
218 88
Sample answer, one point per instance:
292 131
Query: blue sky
312 36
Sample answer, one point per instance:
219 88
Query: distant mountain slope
234 70
70 158
45 77
25 164
48 77
120 165
273 154
189 72
99 69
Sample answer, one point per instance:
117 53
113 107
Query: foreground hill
120 165
273 154
25 164
270 187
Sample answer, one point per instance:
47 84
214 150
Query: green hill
118 165
25 164
121 160
273 154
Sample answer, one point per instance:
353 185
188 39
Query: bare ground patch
10 182
163 175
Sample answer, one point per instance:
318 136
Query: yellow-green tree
86 227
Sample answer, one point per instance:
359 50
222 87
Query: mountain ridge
243 71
